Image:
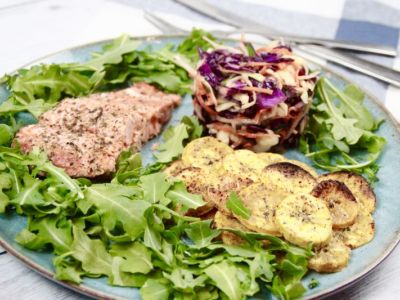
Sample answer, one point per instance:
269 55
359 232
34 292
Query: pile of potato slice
286 198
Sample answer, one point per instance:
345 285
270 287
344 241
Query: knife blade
252 26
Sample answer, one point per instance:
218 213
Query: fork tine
163 25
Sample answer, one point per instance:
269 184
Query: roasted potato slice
194 180
219 188
262 202
270 158
204 152
209 215
288 177
304 219
339 200
304 166
361 232
224 221
201 211
230 238
174 168
243 164
357 184
330 258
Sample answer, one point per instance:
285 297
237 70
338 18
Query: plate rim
88 291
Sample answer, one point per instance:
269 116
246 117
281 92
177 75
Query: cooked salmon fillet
85 136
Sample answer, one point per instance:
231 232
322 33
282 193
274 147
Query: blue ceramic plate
362 260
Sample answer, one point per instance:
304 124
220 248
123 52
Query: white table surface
33 28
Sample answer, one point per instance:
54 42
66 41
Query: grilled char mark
289 170
85 135
325 187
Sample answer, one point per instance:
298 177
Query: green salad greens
340 134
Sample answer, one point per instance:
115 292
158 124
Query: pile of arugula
340 134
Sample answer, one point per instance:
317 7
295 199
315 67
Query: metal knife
377 71
251 26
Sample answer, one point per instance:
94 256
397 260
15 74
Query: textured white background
31 29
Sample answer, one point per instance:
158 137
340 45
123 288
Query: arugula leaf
276 244
250 49
175 138
285 291
68 270
193 127
137 258
48 233
5 184
173 145
179 194
35 107
120 278
242 250
351 104
152 239
195 41
261 267
29 195
155 289
236 206
91 253
154 187
6 133
114 204
128 161
167 80
112 53
47 82
207 293
60 175
185 280
342 128
130 169
201 233
224 277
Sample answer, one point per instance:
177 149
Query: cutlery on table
251 26
341 58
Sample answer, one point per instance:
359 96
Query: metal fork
352 62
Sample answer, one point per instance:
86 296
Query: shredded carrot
221 127
257 64
262 71
258 89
